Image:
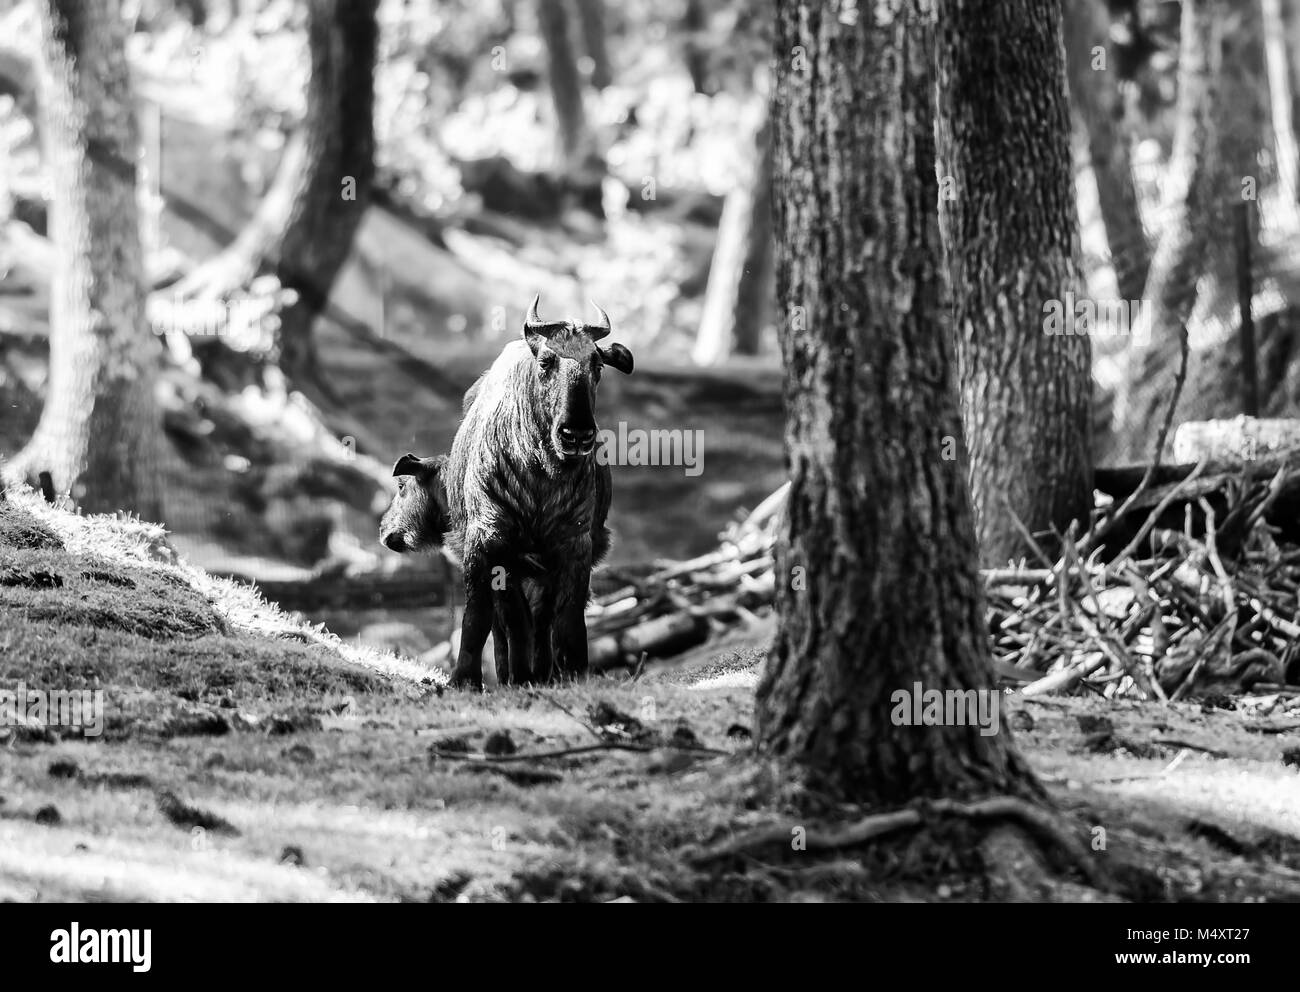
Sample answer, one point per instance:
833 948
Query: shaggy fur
527 508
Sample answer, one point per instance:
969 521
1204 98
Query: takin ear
617 357
409 464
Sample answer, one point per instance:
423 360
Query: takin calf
418 518
528 499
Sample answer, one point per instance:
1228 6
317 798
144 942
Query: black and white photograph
615 451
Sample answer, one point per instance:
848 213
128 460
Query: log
657 638
1241 439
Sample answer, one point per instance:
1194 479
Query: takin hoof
467 680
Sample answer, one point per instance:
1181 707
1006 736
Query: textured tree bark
304 226
740 278
1099 108
100 432
877 558
1195 196
1010 227
572 133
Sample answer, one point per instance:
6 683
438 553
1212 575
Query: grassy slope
246 756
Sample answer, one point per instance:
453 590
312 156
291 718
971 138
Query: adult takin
528 498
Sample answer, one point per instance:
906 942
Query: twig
566 751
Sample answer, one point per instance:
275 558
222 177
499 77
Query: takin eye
547 361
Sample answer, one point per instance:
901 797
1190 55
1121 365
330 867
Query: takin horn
598 331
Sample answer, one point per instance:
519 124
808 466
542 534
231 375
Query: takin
417 520
528 499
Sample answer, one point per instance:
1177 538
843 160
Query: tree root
1050 830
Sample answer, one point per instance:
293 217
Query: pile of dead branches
1212 606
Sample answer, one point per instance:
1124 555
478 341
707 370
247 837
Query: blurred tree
1010 226
1099 107
739 296
1290 14
304 226
1281 90
695 22
100 432
576 145
877 587
1195 195
591 18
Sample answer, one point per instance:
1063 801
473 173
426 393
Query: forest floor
246 756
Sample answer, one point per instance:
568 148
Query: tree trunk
694 24
1099 108
572 133
1281 97
591 17
738 296
877 557
305 224
1010 227
1291 42
1195 195
100 432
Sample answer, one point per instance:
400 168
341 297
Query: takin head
418 516
568 363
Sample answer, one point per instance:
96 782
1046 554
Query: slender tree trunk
1099 107
100 432
305 225
572 132
1291 46
1010 226
1281 94
694 21
591 17
1195 194
740 279
877 557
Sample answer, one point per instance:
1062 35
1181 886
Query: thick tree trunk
305 224
877 558
737 299
1010 226
572 132
1099 107
591 17
1197 190
100 432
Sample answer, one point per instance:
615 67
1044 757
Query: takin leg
570 619
500 639
543 623
512 629
476 623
